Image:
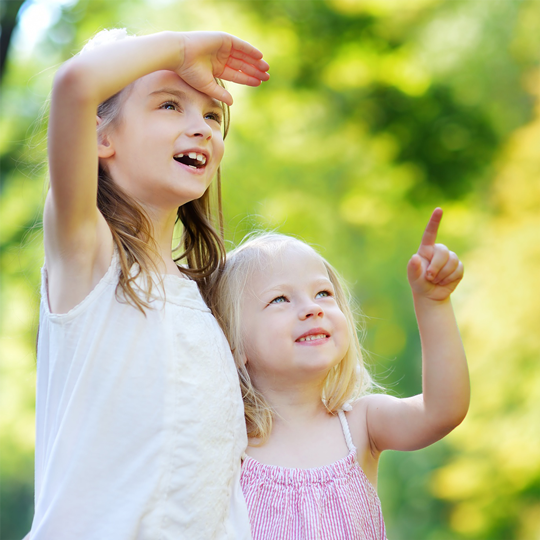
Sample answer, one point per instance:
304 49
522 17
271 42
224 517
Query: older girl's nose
198 127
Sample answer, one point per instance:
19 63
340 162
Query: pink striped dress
334 502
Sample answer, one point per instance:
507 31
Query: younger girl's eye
323 294
278 300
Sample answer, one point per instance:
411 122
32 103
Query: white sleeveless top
139 420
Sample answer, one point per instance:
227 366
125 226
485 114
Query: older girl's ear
242 358
105 147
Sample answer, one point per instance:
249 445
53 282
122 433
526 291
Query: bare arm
85 81
412 423
77 239
80 85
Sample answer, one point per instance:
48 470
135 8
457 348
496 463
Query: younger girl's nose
311 310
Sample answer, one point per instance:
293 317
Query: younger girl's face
166 145
292 328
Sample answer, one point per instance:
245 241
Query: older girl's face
292 327
166 146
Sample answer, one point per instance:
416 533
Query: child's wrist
173 43
424 300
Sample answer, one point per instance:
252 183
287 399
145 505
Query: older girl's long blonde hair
201 245
345 382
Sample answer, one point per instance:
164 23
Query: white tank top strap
346 431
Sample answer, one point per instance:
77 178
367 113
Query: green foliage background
376 112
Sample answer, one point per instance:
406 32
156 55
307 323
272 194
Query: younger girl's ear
105 147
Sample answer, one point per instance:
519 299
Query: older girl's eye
323 294
278 300
170 106
214 116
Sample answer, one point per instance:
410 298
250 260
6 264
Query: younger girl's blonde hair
345 382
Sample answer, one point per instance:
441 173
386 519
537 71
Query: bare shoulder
76 266
357 417
367 403
367 454
363 413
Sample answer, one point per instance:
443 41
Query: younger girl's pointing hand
434 271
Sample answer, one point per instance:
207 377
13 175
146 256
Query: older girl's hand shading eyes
208 55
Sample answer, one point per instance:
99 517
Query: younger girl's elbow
463 413
457 417
446 421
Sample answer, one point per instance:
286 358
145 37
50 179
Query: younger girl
311 469
139 415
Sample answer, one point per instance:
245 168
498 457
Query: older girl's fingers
239 77
437 262
248 69
256 61
246 48
450 267
454 278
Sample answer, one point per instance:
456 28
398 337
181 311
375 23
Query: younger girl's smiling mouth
316 336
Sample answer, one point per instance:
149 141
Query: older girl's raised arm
78 241
88 79
80 85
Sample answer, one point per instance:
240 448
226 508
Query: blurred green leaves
376 111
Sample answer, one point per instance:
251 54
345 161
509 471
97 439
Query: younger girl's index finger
430 234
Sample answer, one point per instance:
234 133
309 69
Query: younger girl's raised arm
408 424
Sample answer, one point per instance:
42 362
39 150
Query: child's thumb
414 268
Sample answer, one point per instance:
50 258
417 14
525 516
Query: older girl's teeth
312 338
200 158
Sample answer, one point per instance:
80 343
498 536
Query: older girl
139 414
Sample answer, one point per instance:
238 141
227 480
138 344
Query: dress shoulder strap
346 431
